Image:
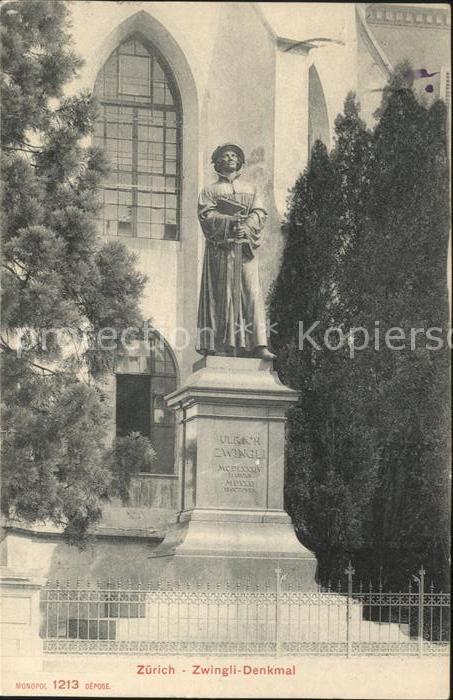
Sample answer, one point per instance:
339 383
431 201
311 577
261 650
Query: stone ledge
237 516
125 522
15 578
229 380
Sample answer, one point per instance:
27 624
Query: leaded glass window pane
139 127
134 78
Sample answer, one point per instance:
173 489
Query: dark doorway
133 404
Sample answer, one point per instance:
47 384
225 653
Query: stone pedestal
232 525
20 620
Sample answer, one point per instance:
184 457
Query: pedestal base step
256 573
243 548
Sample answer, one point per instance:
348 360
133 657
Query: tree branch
31 145
13 272
22 267
7 348
16 148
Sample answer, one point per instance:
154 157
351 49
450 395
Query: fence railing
128 617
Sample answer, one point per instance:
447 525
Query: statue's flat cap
228 147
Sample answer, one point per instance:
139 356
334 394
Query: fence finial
350 571
421 575
281 576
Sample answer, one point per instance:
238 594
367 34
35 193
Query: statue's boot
204 352
263 353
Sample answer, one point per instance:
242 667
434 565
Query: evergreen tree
330 461
367 235
408 288
58 274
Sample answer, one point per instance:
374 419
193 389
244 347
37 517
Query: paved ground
177 676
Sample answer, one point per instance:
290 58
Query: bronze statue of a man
231 315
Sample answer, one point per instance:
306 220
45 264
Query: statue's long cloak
218 328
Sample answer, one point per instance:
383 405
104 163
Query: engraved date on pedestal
248 453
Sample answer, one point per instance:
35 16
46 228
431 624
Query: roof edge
264 21
379 53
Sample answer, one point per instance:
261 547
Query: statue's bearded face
228 162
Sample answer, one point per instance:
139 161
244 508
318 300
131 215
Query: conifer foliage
57 274
366 247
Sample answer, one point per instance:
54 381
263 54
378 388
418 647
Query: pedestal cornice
232 380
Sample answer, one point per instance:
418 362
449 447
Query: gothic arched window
143 378
139 126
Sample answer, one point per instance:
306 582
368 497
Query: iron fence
118 617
